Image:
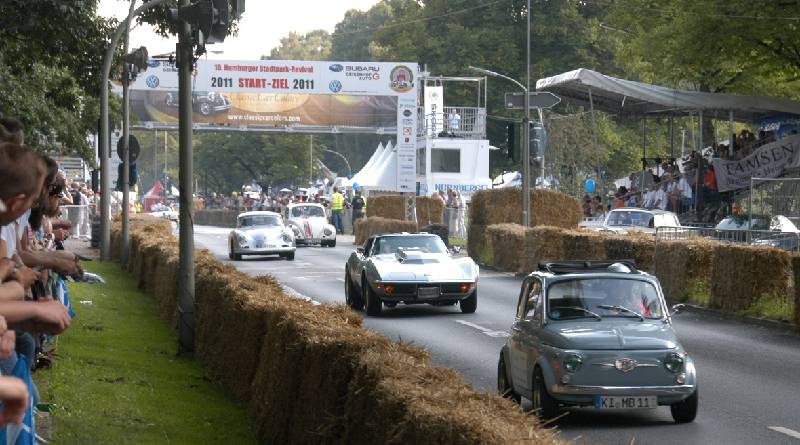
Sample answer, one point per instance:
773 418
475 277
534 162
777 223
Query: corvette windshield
391 244
259 220
604 297
308 212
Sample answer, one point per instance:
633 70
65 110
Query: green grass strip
117 380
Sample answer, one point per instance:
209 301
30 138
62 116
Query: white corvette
261 233
310 225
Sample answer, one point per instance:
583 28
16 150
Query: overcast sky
260 29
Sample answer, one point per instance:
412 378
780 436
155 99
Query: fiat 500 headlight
673 362
573 362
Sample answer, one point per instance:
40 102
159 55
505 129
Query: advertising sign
434 110
768 161
285 95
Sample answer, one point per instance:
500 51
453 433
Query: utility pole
185 59
310 160
526 133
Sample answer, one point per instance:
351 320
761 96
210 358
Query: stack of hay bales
542 244
741 275
684 269
367 227
501 206
280 355
583 245
429 211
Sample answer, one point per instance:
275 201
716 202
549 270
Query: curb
763 322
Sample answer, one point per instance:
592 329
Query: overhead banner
768 161
288 95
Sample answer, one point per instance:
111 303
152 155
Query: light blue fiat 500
596 334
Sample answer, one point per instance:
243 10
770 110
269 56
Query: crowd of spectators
34 304
676 189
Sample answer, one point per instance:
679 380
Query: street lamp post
105 197
526 153
349 170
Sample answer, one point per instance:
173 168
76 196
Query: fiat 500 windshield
603 297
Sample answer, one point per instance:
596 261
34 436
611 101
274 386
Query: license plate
625 402
426 293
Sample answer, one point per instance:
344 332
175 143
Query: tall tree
315 45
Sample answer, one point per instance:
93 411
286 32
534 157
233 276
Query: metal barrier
81 218
781 240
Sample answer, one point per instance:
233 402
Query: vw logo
625 364
336 68
152 81
335 86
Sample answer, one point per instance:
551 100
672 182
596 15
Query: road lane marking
485 331
340 279
787 431
291 291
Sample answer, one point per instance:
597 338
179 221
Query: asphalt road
749 376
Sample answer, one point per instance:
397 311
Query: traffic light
511 142
213 18
538 142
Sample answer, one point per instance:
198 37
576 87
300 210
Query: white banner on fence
768 161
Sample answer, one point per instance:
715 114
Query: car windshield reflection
259 220
603 297
393 244
308 212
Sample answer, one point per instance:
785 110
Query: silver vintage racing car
409 268
261 233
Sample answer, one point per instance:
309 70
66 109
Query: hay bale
635 246
438 229
684 269
478 245
742 274
548 208
367 227
506 241
429 211
583 245
542 243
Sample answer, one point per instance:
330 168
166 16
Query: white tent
383 174
374 158
636 98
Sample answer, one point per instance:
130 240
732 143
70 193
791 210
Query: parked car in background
310 225
409 268
261 233
775 231
596 334
632 219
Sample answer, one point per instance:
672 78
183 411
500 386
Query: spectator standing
454 118
357 203
337 207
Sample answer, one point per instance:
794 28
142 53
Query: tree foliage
315 45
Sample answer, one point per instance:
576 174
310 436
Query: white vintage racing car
310 225
409 268
261 233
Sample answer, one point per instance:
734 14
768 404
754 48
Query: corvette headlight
673 362
573 362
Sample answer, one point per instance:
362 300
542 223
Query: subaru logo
153 63
336 67
152 81
335 86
